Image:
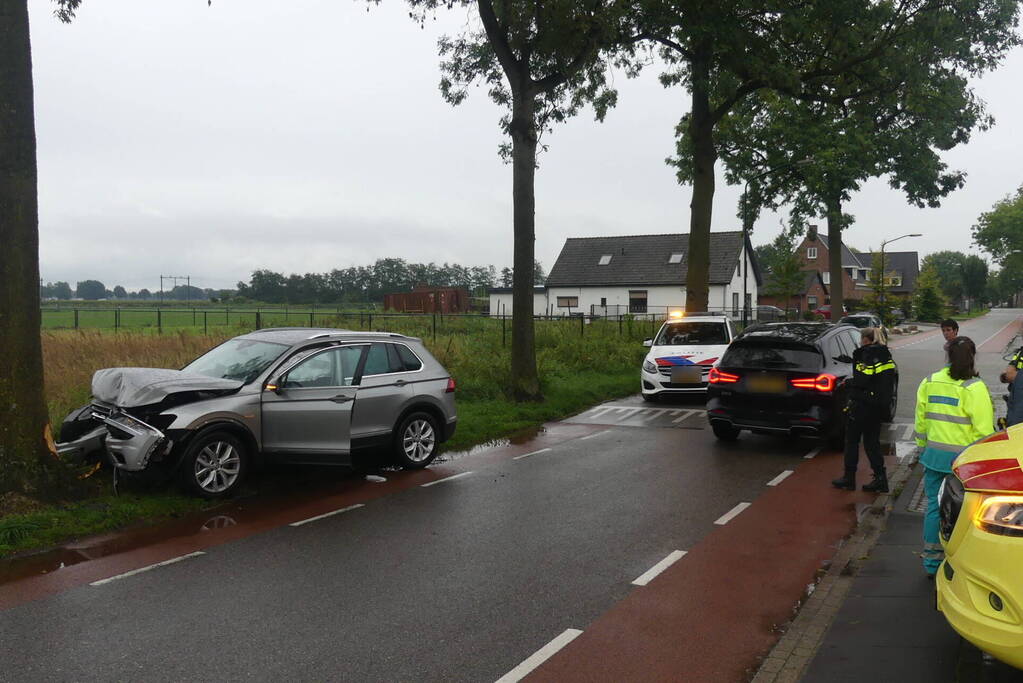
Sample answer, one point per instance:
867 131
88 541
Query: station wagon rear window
762 355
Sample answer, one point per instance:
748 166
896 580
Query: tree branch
499 39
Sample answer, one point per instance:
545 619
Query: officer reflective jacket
873 380
952 413
1017 360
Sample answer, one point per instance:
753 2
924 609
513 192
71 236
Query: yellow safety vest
952 413
1017 360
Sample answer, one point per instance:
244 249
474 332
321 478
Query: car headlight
1001 515
649 366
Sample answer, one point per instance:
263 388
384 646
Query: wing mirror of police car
843 359
648 342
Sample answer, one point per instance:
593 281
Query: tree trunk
701 132
525 380
834 206
28 463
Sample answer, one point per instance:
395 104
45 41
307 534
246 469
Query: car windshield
692 334
240 359
856 320
762 355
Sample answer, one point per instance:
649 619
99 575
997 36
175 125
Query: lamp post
746 227
883 244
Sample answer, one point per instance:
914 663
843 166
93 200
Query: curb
792 654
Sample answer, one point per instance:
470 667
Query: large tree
739 54
28 461
999 232
542 61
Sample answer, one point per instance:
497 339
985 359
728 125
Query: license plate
686 374
766 384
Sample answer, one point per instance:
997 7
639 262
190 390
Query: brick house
813 252
813 293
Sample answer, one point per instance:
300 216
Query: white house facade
639 275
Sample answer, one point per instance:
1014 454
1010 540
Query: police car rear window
769 356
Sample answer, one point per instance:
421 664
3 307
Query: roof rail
689 314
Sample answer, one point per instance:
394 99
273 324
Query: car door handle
400 383
341 398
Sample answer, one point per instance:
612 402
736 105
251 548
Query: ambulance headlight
1002 515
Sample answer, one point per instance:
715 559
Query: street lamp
746 227
883 244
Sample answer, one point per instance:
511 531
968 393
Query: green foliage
928 301
787 278
769 256
959 275
999 232
91 290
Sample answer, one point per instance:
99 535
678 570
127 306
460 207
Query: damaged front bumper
129 443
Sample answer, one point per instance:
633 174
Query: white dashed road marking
812 454
590 436
780 478
439 481
649 574
328 514
519 457
731 514
540 656
133 572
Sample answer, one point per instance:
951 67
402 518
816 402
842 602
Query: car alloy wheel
419 440
217 467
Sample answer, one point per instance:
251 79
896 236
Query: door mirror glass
648 342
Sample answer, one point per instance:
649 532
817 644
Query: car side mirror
648 343
843 359
276 384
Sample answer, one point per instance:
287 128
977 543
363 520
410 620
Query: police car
682 353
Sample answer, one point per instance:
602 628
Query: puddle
517 439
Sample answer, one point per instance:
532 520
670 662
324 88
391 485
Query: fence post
310 318
76 318
370 322
193 316
435 327
227 315
619 324
258 323
117 319
582 322
159 320
504 323
205 327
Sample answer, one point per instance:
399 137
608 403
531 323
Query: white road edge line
453 476
651 573
1011 322
731 514
133 572
540 656
327 514
590 436
517 457
780 478
812 454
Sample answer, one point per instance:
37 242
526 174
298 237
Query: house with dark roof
641 274
812 293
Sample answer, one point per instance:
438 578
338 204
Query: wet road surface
465 570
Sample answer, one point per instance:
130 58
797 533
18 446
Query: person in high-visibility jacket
870 396
953 409
1013 376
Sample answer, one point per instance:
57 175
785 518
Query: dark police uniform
870 394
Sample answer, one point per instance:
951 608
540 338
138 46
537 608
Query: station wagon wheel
213 464
416 441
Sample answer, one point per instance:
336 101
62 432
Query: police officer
1013 376
953 409
870 394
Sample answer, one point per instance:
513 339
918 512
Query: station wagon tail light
451 386
719 377
823 382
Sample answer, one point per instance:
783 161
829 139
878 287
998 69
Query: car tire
650 398
892 407
416 441
214 464
724 431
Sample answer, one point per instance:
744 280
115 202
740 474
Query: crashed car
299 395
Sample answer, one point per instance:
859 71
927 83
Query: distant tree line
94 290
366 284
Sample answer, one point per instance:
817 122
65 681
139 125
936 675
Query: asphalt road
431 578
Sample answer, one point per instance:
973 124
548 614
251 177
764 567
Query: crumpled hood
131 387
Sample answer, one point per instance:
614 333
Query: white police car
682 354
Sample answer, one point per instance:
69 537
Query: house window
637 301
827 277
735 303
676 257
811 252
852 273
603 302
811 302
568 302
604 260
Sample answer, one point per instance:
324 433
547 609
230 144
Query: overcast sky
180 139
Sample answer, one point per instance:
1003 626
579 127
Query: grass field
579 366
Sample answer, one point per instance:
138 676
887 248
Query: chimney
811 232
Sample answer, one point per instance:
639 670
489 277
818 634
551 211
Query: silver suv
299 395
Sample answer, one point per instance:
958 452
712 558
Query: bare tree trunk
525 379
834 206
28 463
701 131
